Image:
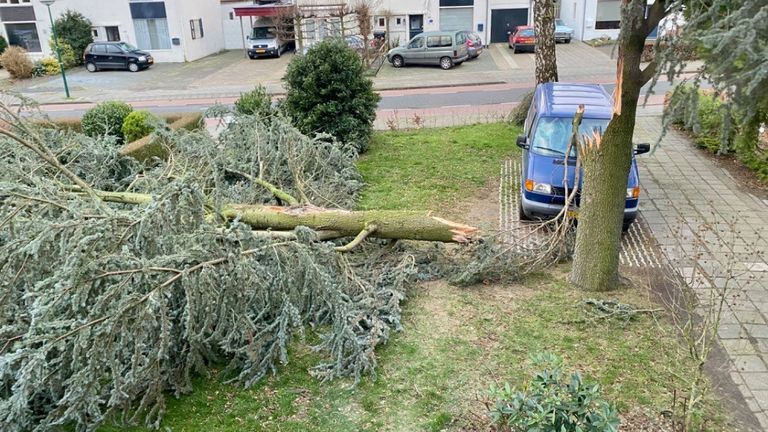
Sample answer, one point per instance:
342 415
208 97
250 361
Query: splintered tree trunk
606 169
389 224
546 54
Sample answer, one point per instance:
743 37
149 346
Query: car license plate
573 214
261 51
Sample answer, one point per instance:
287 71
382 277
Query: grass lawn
457 341
432 168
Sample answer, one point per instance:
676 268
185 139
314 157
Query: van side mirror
642 148
522 142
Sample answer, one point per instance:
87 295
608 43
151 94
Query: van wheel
521 214
90 67
626 225
446 63
133 67
397 61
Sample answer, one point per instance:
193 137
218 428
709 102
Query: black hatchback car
115 55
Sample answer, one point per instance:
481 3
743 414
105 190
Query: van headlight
633 193
542 188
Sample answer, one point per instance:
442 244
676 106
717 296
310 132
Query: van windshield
553 133
264 33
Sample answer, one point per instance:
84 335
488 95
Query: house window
381 22
151 24
95 33
24 35
608 15
231 16
399 21
196 25
14 1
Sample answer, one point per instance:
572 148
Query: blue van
547 132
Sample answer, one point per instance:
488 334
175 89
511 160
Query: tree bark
546 53
607 165
389 224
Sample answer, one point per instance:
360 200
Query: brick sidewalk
685 192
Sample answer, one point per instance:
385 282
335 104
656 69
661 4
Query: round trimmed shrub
106 119
255 102
326 91
74 29
16 61
139 124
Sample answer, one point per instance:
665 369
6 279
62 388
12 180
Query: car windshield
263 33
553 133
559 23
127 47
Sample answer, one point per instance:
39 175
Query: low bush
106 118
3 44
68 56
47 66
553 402
16 61
255 102
139 124
520 111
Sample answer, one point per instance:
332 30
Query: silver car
445 49
474 45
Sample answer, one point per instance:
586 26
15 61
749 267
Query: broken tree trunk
389 224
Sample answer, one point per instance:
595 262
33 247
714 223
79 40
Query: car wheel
397 61
91 67
279 53
568 40
133 67
446 63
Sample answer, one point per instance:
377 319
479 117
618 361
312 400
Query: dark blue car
547 132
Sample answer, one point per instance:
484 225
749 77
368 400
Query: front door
504 21
113 34
416 50
415 25
115 57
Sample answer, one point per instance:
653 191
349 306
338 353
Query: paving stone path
714 233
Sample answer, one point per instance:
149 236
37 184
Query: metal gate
454 19
504 21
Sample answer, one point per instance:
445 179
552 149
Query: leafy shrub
704 115
3 44
68 57
48 65
16 61
74 29
139 124
38 70
255 102
520 111
553 402
106 118
326 91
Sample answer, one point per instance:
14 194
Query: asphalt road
412 99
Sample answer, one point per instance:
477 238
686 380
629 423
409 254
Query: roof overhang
262 10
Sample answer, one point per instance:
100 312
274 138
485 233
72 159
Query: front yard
457 341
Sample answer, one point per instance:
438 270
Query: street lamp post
48 3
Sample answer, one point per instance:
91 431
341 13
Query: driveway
228 74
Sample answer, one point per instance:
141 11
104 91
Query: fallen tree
121 280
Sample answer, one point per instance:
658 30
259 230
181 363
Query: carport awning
264 11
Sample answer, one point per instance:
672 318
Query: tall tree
607 159
546 54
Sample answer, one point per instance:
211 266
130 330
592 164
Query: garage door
456 19
505 20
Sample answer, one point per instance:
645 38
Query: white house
172 30
591 19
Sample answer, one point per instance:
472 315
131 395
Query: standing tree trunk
607 159
546 54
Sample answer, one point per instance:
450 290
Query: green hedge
714 127
150 146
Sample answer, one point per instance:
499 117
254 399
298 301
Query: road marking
505 55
